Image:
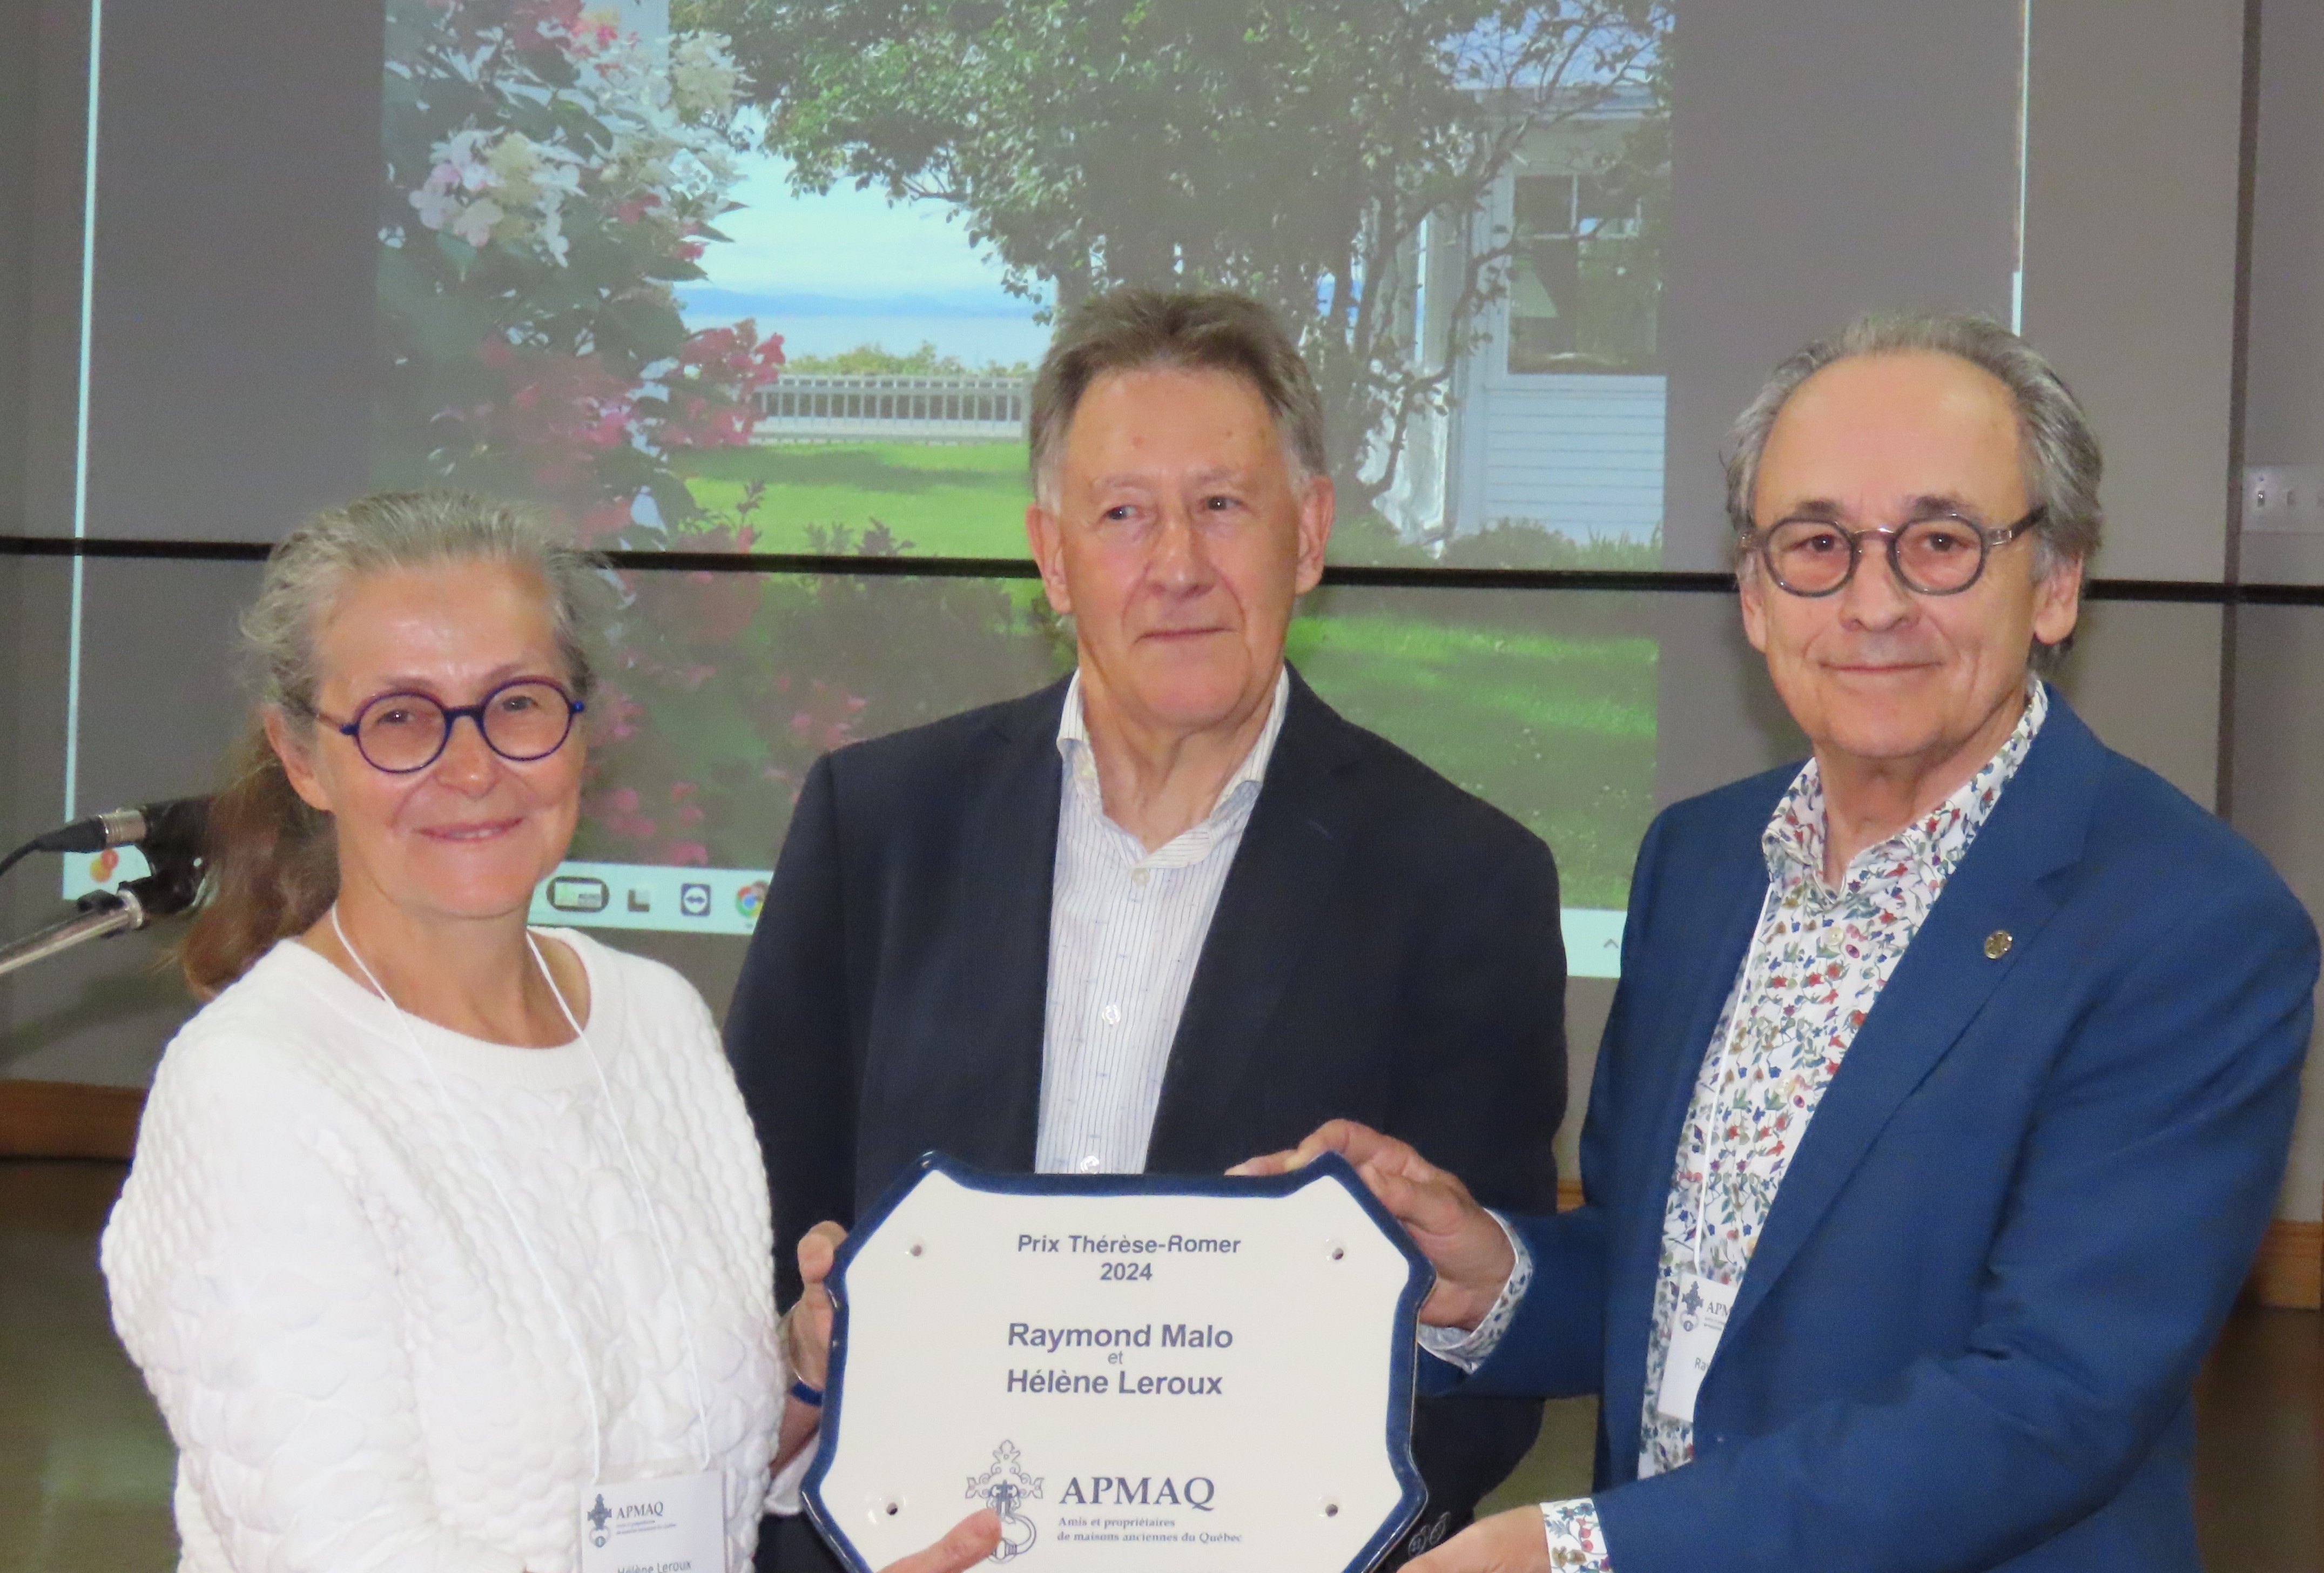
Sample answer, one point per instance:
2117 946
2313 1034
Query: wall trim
2289 1271
68 1119
1375 576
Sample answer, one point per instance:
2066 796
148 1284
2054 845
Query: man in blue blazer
1947 1087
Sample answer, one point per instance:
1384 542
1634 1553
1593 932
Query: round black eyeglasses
521 721
1938 556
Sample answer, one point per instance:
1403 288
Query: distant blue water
966 327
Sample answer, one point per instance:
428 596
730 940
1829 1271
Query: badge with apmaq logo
671 1523
1138 1374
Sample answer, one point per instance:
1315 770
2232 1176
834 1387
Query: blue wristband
810 1396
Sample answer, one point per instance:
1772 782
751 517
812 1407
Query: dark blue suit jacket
2011 1233
1386 949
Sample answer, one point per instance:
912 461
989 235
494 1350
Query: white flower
475 224
512 162
550 233
435 204
458 158
704 79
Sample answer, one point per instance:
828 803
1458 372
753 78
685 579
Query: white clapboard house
1552 419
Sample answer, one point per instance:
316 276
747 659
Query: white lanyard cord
493 1179
516 1221
1753 958
645 1201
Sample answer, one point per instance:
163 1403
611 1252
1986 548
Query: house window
1546 274
1582 284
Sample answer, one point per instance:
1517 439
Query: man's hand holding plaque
1473 1259
1470 1252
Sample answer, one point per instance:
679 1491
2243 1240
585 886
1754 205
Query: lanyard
491 1172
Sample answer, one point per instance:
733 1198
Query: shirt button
1114 1015
1091 1164
1141 876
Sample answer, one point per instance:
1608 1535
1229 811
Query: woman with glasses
446 1242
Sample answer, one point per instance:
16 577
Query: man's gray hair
1136 329
2057 450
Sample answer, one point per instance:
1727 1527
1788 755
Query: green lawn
1541 703
1556 728
962 499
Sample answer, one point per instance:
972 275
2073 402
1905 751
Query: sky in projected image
835 271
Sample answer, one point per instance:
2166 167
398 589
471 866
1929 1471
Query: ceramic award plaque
1138 1374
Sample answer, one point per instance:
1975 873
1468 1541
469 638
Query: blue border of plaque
1402 1356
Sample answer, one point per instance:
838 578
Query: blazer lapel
997 1017
1284 871
2037 826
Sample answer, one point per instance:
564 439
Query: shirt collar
1934 843
1081 764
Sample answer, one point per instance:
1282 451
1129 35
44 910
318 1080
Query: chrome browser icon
751 898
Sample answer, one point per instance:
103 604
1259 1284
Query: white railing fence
814 407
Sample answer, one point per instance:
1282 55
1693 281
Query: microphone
172 826
170 833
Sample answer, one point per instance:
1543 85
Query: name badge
1695 1332
672 1523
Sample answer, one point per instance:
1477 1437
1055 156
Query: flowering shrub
549 179
727 687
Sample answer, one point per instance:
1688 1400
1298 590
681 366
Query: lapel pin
1998 944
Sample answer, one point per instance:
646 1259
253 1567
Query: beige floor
85 1464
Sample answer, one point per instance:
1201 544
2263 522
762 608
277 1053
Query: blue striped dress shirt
1126 927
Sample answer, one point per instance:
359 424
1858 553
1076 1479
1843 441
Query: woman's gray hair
272 869
2057 450
310 567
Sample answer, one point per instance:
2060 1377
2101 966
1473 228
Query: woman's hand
964 1545
807 1344
807 1331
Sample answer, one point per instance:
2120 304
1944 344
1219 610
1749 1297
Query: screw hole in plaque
1331 1508
1339 1251
918 1247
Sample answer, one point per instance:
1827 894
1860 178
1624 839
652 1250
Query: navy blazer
2021 1211
1386 949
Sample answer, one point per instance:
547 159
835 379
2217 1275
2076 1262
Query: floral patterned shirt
1816 965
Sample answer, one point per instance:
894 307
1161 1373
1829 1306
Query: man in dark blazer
1949 1085
1172 910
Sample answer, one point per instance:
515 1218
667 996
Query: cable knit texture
352 1349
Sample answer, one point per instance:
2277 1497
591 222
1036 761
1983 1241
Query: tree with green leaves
1293 150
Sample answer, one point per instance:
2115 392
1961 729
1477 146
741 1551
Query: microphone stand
171 888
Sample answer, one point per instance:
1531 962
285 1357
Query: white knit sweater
351 1345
